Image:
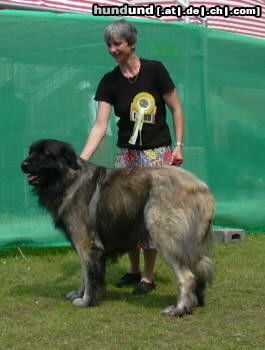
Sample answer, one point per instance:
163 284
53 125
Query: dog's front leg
92 258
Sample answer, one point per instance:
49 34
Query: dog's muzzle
33 179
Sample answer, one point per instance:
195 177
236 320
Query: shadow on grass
56 291
68 278
58 288
153 300
55 288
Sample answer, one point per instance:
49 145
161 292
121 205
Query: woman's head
121 30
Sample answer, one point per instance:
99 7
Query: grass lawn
34 313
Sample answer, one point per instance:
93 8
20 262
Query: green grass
34 313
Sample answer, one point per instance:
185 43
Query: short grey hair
121 30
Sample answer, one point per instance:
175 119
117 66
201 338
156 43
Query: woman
138 90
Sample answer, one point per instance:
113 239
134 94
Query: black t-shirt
144 94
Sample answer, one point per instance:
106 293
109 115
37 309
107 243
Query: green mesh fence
50 65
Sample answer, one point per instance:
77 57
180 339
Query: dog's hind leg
187 300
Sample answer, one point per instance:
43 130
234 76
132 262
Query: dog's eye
47 153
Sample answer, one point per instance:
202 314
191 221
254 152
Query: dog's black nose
24 166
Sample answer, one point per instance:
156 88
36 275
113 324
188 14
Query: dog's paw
176 311
81 302
168 310
85 302
72 295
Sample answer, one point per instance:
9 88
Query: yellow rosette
143 110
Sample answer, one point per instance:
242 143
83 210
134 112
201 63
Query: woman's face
120 50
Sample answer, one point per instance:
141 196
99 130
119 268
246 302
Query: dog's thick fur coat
105 212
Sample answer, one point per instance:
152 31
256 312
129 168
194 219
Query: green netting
50 65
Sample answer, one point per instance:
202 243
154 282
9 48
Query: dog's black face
47 160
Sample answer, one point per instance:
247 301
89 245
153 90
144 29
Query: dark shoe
143 288
129 278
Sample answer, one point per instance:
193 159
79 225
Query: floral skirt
150 158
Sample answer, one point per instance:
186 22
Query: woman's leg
149 264
134 257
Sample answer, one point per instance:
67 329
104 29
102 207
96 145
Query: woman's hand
177 156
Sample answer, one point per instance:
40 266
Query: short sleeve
164 81
104 90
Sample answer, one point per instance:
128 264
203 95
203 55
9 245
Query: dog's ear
71 158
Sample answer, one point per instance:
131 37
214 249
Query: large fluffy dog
105 212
